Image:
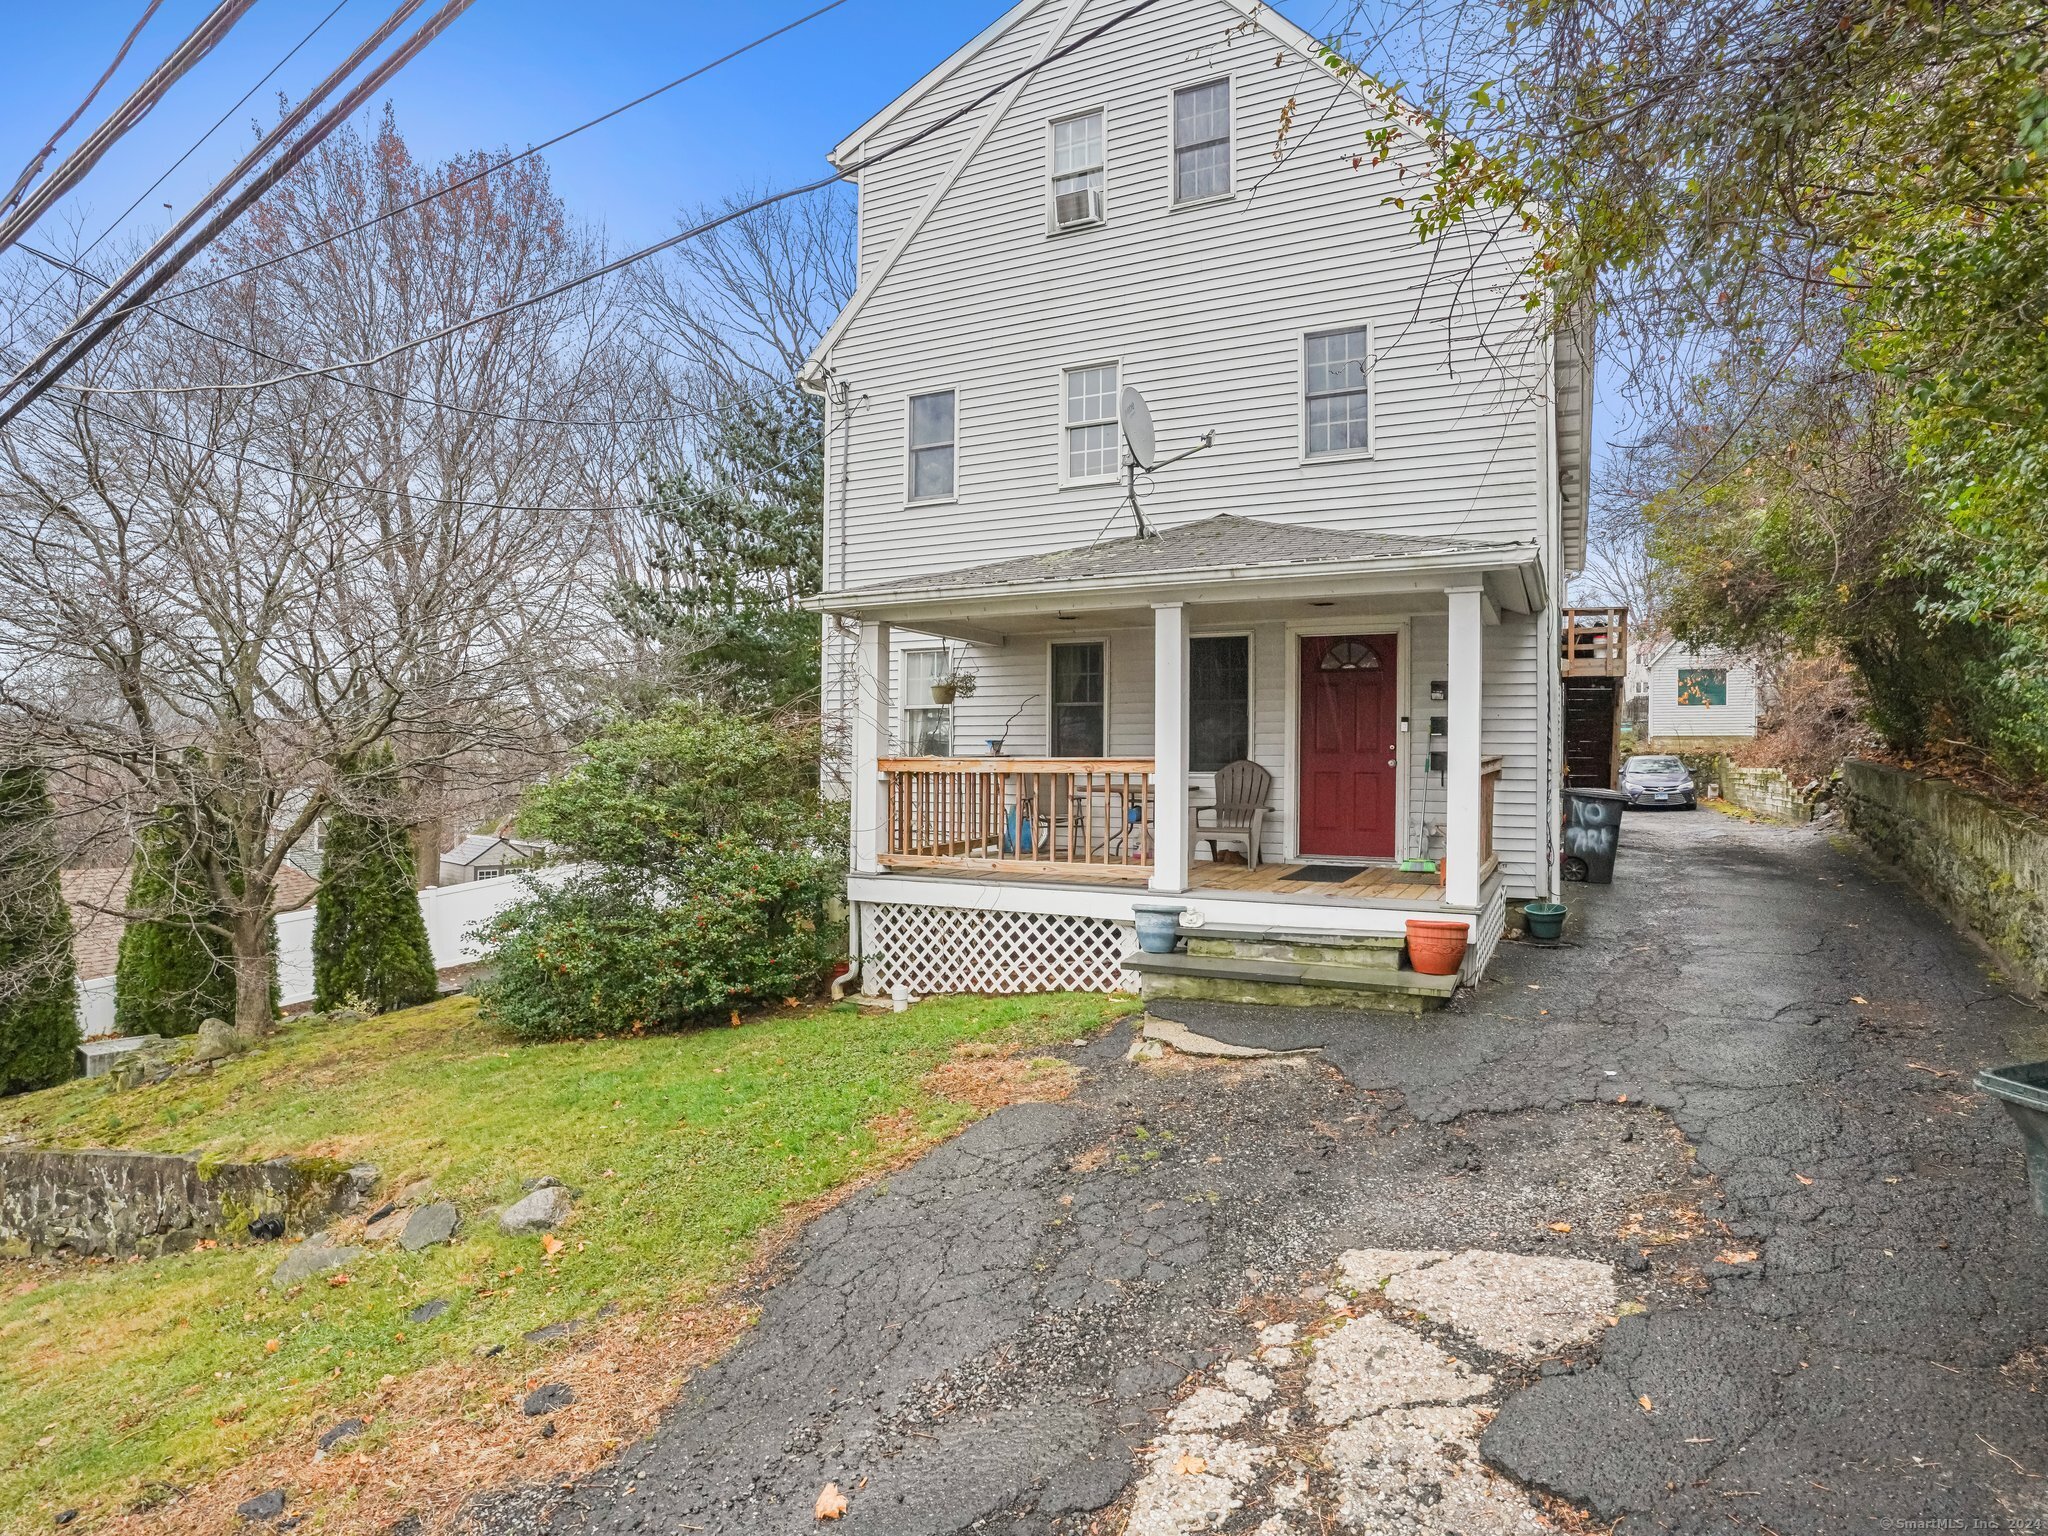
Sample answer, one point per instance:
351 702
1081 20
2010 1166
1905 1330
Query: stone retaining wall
1764 791
1984 863
117 1203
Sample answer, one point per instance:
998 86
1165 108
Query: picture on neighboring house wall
1703 685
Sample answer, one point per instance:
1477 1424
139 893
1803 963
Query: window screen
931 446
1201 141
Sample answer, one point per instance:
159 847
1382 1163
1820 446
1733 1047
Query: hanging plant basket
945 693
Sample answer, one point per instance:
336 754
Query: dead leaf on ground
1860 1002
550 1243
1560 1226
1736 1256
1190 1466
831 1503
1802 1178
1645 1401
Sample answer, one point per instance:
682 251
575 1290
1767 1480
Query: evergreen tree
175 968
38 980
369 939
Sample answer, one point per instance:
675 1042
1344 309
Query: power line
197 45
34 168
492 170
845 173
170 264
376 389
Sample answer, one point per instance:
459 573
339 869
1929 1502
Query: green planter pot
2023 1089
1545 920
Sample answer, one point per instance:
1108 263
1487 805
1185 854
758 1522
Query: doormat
1333 874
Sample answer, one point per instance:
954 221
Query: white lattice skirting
938 950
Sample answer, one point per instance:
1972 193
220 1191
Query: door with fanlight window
1349 745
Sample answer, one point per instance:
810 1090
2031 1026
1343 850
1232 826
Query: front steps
1292 970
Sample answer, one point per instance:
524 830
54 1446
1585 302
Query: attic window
1201 142
1077 172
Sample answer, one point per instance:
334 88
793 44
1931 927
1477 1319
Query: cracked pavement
1742 1088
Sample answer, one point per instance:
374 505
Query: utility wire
845 173
263 147
376 389
156 280
493 169
197 143
140 102
41 158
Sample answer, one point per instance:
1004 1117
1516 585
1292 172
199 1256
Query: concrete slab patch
1369 1365
1512 1303
1180 1038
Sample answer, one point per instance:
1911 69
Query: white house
1355 585
1696 698
487 856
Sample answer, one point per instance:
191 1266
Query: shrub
38 982
369 938
175 968
717 857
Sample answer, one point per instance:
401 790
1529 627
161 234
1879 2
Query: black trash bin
1592 829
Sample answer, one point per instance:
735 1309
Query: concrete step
1289 983
1373 951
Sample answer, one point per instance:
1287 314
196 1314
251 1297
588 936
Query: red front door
1348 745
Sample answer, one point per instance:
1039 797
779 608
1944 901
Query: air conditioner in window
1072 210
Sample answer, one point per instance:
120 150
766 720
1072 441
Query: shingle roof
477 844
96 934
1216 543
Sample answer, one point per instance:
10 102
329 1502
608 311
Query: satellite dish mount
1141 449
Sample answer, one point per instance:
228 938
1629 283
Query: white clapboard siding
1668 717
1204 308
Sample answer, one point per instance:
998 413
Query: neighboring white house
1356 586
1700 697
486 856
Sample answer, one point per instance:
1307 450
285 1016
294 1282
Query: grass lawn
125 1382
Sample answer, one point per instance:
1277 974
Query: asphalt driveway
1694 1225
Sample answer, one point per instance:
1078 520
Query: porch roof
1190 562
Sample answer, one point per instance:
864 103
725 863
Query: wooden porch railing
1075 817
1594 642
1489 784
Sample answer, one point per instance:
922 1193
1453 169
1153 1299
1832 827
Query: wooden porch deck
1370 885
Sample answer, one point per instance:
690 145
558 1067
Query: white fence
451 912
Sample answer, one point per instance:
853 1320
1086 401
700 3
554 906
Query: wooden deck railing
1489 784
1594 642
1074 817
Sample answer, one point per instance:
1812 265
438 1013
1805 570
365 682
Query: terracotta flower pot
1435 947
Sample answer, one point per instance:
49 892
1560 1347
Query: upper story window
1336 392
932 446
1090 423
1077 171
1201 142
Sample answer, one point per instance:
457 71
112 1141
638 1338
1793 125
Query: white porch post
871 712
1461 810
1170 841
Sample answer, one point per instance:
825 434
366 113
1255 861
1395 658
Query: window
485 873
1335 392
1080 693
1090 416
931 446
1201 142
1219 701
1703 686
927 726
1077 190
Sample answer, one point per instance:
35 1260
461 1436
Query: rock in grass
428 1225
545 1208
547 1399
347 1429
426 1312
66 1516
315 1256
265 1506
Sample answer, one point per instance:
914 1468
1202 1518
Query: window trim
1173 198
1052 223
1101 643
910 398
1115 476
904 739
1251 688
1372 393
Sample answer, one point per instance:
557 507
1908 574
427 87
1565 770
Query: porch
1365 676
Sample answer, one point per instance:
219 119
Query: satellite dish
1135 416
